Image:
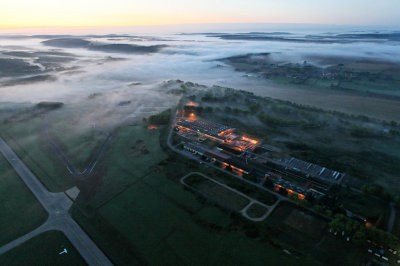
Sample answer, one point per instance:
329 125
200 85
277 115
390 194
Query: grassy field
25 138
133 151
43 250
306 233
256 211
17 203
151 218
79 150
305 223
217 193
158 225
251 191
287 213
78 139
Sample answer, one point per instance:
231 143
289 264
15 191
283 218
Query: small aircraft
64 251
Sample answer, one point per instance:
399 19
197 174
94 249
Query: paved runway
57 206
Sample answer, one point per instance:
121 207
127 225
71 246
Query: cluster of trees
50 105
359 233
209 98
161 118
365 132
377 190
235 110
302 202
271 120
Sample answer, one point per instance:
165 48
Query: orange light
192 117
237 171
152 127
301 196
253 141
192 104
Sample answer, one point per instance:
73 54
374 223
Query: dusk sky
28 13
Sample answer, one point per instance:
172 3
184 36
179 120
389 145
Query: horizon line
200 23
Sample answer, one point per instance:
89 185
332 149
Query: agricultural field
351 85
43 249
17 203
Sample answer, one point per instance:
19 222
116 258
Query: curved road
57 206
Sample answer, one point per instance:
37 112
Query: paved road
57 206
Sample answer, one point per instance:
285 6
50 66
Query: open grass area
43 249
290 219
26 139
256 210
155 220
165 233
20 212
79 145
250 190
305 223
336 251
306 233
217 193
133 152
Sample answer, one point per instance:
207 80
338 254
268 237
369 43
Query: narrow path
61 155
57 206
392 217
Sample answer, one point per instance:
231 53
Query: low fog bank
70 73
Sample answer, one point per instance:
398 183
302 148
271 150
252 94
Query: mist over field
65 67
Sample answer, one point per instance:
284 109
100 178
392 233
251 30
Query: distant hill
67 43
103 47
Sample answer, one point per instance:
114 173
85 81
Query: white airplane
64 251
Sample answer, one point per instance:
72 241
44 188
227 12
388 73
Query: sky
80 13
